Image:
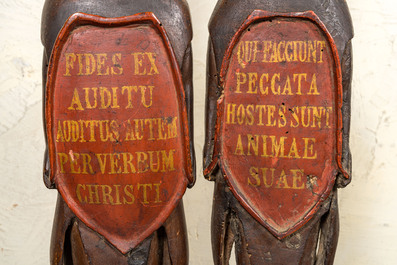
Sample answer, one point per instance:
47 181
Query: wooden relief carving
277 138
279 127
119 146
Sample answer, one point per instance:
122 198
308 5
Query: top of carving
333 13
174 15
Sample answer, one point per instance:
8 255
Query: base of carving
255 245
73 243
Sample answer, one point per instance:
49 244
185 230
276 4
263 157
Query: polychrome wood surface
264 219
279 126
117 125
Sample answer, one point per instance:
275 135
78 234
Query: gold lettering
154 165
271 109
240 114
128 191
59 133
295 116
116 59
240 54
143 92
277 147
239 147
273 56
252 143
264 143
80 59
322 46
281 57
250 117
328 110
138 63
151 132
114 98
309 152
302 51
91 124
168 160
266 50
266 90
282 181
295 51
127 162
312 51
117 188
305 121
265 178
254 173
152 59
313 86
157 189
73 162
78 194
293 151
107 194
114 163
142 164
75 101
173 128
289 51
87 97
287 87
299 76
91 194
282 121
297 177
87 164
129 94
231 113
247 52
70 59
240 82
261 109
144 192
273 84
102 161
252 77
90 64
106 97
161 131
100 60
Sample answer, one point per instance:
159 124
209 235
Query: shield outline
82 19
255 17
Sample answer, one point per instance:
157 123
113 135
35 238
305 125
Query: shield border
254 17
82 19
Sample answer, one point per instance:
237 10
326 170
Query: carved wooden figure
277 128
117 78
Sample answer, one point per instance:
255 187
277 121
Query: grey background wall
368 211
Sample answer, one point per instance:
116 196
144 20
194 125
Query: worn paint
279 119
116 125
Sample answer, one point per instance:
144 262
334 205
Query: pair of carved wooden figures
119 129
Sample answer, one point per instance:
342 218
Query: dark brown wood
275 194
116 204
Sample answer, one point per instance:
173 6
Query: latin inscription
116 125
278 107
102 98
117 128
279 134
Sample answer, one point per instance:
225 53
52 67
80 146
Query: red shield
279 126
116 125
